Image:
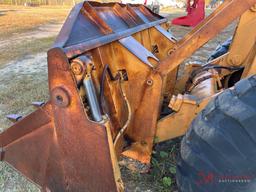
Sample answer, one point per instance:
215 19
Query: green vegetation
161 175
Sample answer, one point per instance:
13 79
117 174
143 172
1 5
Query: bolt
60 97
171 50
150 82
76 68
143 143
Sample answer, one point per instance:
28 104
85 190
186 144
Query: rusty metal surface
91 25
69 153
59 146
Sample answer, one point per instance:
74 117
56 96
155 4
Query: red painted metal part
195 14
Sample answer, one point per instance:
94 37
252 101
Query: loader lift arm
204 32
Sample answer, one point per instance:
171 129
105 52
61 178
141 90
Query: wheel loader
115 87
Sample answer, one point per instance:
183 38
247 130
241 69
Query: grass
21 89
12 181
17 19
19 86
172 10
23 48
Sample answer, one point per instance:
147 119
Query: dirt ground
23 79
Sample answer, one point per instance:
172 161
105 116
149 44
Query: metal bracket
138 50
168 35
38 103
14 117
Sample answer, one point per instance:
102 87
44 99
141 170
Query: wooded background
39 2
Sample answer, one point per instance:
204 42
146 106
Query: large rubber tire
218 153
